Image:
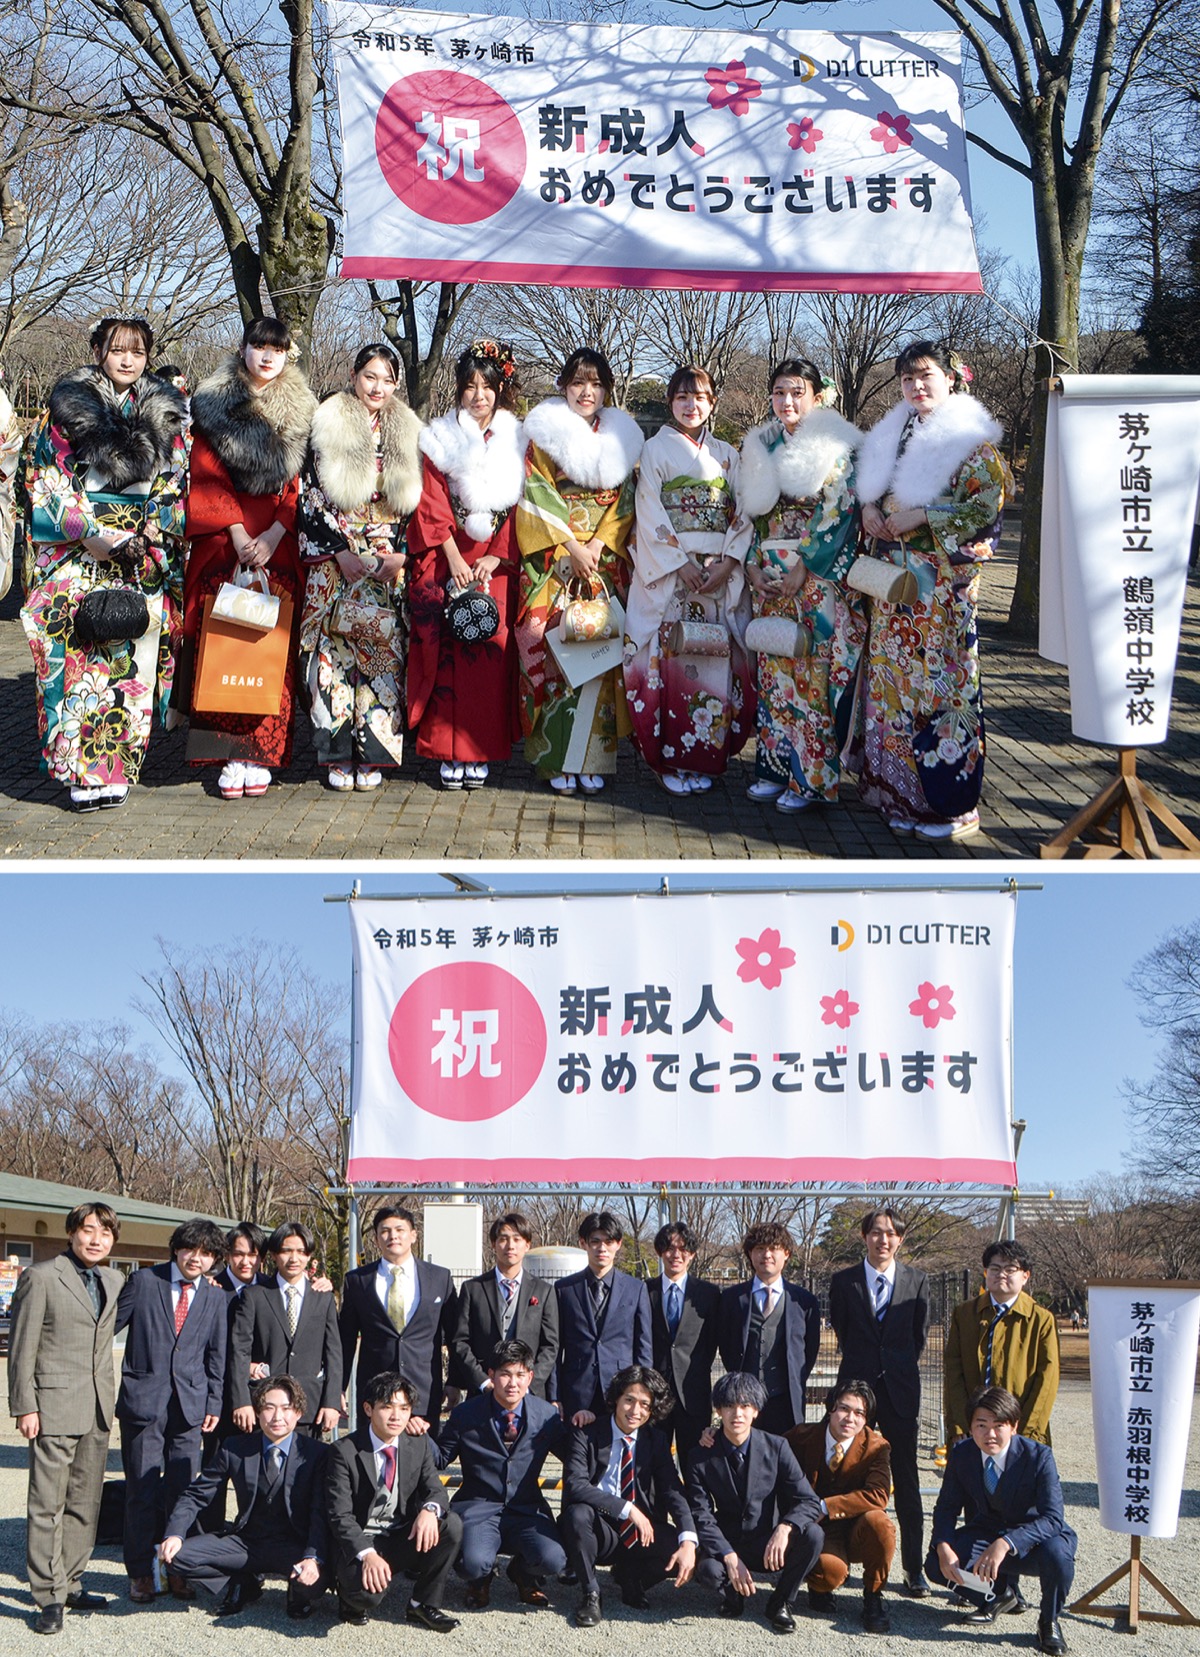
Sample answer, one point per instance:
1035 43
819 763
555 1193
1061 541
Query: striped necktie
881 1296
629 1533
988 1343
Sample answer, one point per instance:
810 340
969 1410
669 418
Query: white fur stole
797 466
936 449
600 459
487 477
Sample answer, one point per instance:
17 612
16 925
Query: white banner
782 1036
1122 470
1142 1338
587 155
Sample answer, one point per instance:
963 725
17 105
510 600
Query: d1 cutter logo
467 1041
449 146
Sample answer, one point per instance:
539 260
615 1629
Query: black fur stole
260 440
128 446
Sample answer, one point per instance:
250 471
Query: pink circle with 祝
467 1041
449 146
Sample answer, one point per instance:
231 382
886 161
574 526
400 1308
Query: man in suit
683 1327
753 1507
285 1328
880 1314
622 1499
387 1510
278 1478
506 1304
1005 1490
172 1382
61 1390
769 1328
1003 1338
603 1322
847 1463
399 1314
501 1437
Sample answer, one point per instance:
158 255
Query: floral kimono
578 483
358 491
918 740
84 474
690 712
799 490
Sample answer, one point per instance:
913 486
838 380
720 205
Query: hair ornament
962 370
828 394
497 351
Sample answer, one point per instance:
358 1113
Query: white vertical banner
1142 1336
1122 473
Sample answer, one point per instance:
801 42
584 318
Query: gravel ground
678 1625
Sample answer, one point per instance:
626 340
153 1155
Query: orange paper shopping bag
239 669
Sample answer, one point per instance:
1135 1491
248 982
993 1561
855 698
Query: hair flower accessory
497 351
828 394
961 369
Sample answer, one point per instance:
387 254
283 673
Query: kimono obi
585 507
698 506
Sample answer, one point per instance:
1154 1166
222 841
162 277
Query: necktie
293 1309
509 1285
388 1452
674 1307
764 1301
511 1431
991 1475
987 1349
181 1306
629 1533
835 1460
274 1466
599 1294
93 1289
881 1296
395 1304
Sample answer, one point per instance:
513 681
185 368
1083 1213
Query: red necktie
511 1431
629 1533
388 1452
181 1306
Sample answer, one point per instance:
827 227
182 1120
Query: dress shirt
177 1282
611 1481
888 1273
283 1285
378 1446
831 1445
409 1287
773 1293
669 1283
284 1444
1006 1304
516 1281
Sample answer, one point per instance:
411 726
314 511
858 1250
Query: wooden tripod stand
1135 1570
1134 836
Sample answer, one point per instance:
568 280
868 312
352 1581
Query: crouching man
387 1510
277 1476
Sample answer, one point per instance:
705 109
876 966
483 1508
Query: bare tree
1166 1108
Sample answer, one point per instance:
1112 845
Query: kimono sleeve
960 528
834 524
739 536
212 502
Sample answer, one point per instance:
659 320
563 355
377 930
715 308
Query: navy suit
313 1354
1026 1508
478 1330
499 1501
801 1332
738 1513
265 1544
885 1352
415 1354
589 1358
168 1387
591 1518
686 1359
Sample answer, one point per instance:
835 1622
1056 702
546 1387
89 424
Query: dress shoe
141 1590
529 1590
732 1604
180 1587
1050 1637
349 1613
298 1607
821 1602
49 1620
634 1595
479 1594
588 1612
81 1600
241 1592
875 1618
779 1615
431 1617
913 1584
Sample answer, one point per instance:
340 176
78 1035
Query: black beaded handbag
118 611
472 616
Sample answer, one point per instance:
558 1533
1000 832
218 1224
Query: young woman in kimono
361 484
933 483
690 711
250 424
104 474
797 484
462 698
573 523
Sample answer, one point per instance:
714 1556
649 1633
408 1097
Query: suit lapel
275 1302
74 1283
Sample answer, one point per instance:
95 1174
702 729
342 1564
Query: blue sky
1076 1027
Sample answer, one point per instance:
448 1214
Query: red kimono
462 698
213 505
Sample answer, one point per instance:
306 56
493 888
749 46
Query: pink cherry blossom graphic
764 958
838 1009
804 135
732 88
892 131
933 1004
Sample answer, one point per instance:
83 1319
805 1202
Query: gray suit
60 1365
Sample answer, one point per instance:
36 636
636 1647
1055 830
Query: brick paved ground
1037 778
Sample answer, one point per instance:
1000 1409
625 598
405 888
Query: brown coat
864 1479
1024 1359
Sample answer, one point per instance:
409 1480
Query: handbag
588 613
472 615
362 620
107 613
880 579
238 601
779 635
698 632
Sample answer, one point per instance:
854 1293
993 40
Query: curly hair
640 1375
